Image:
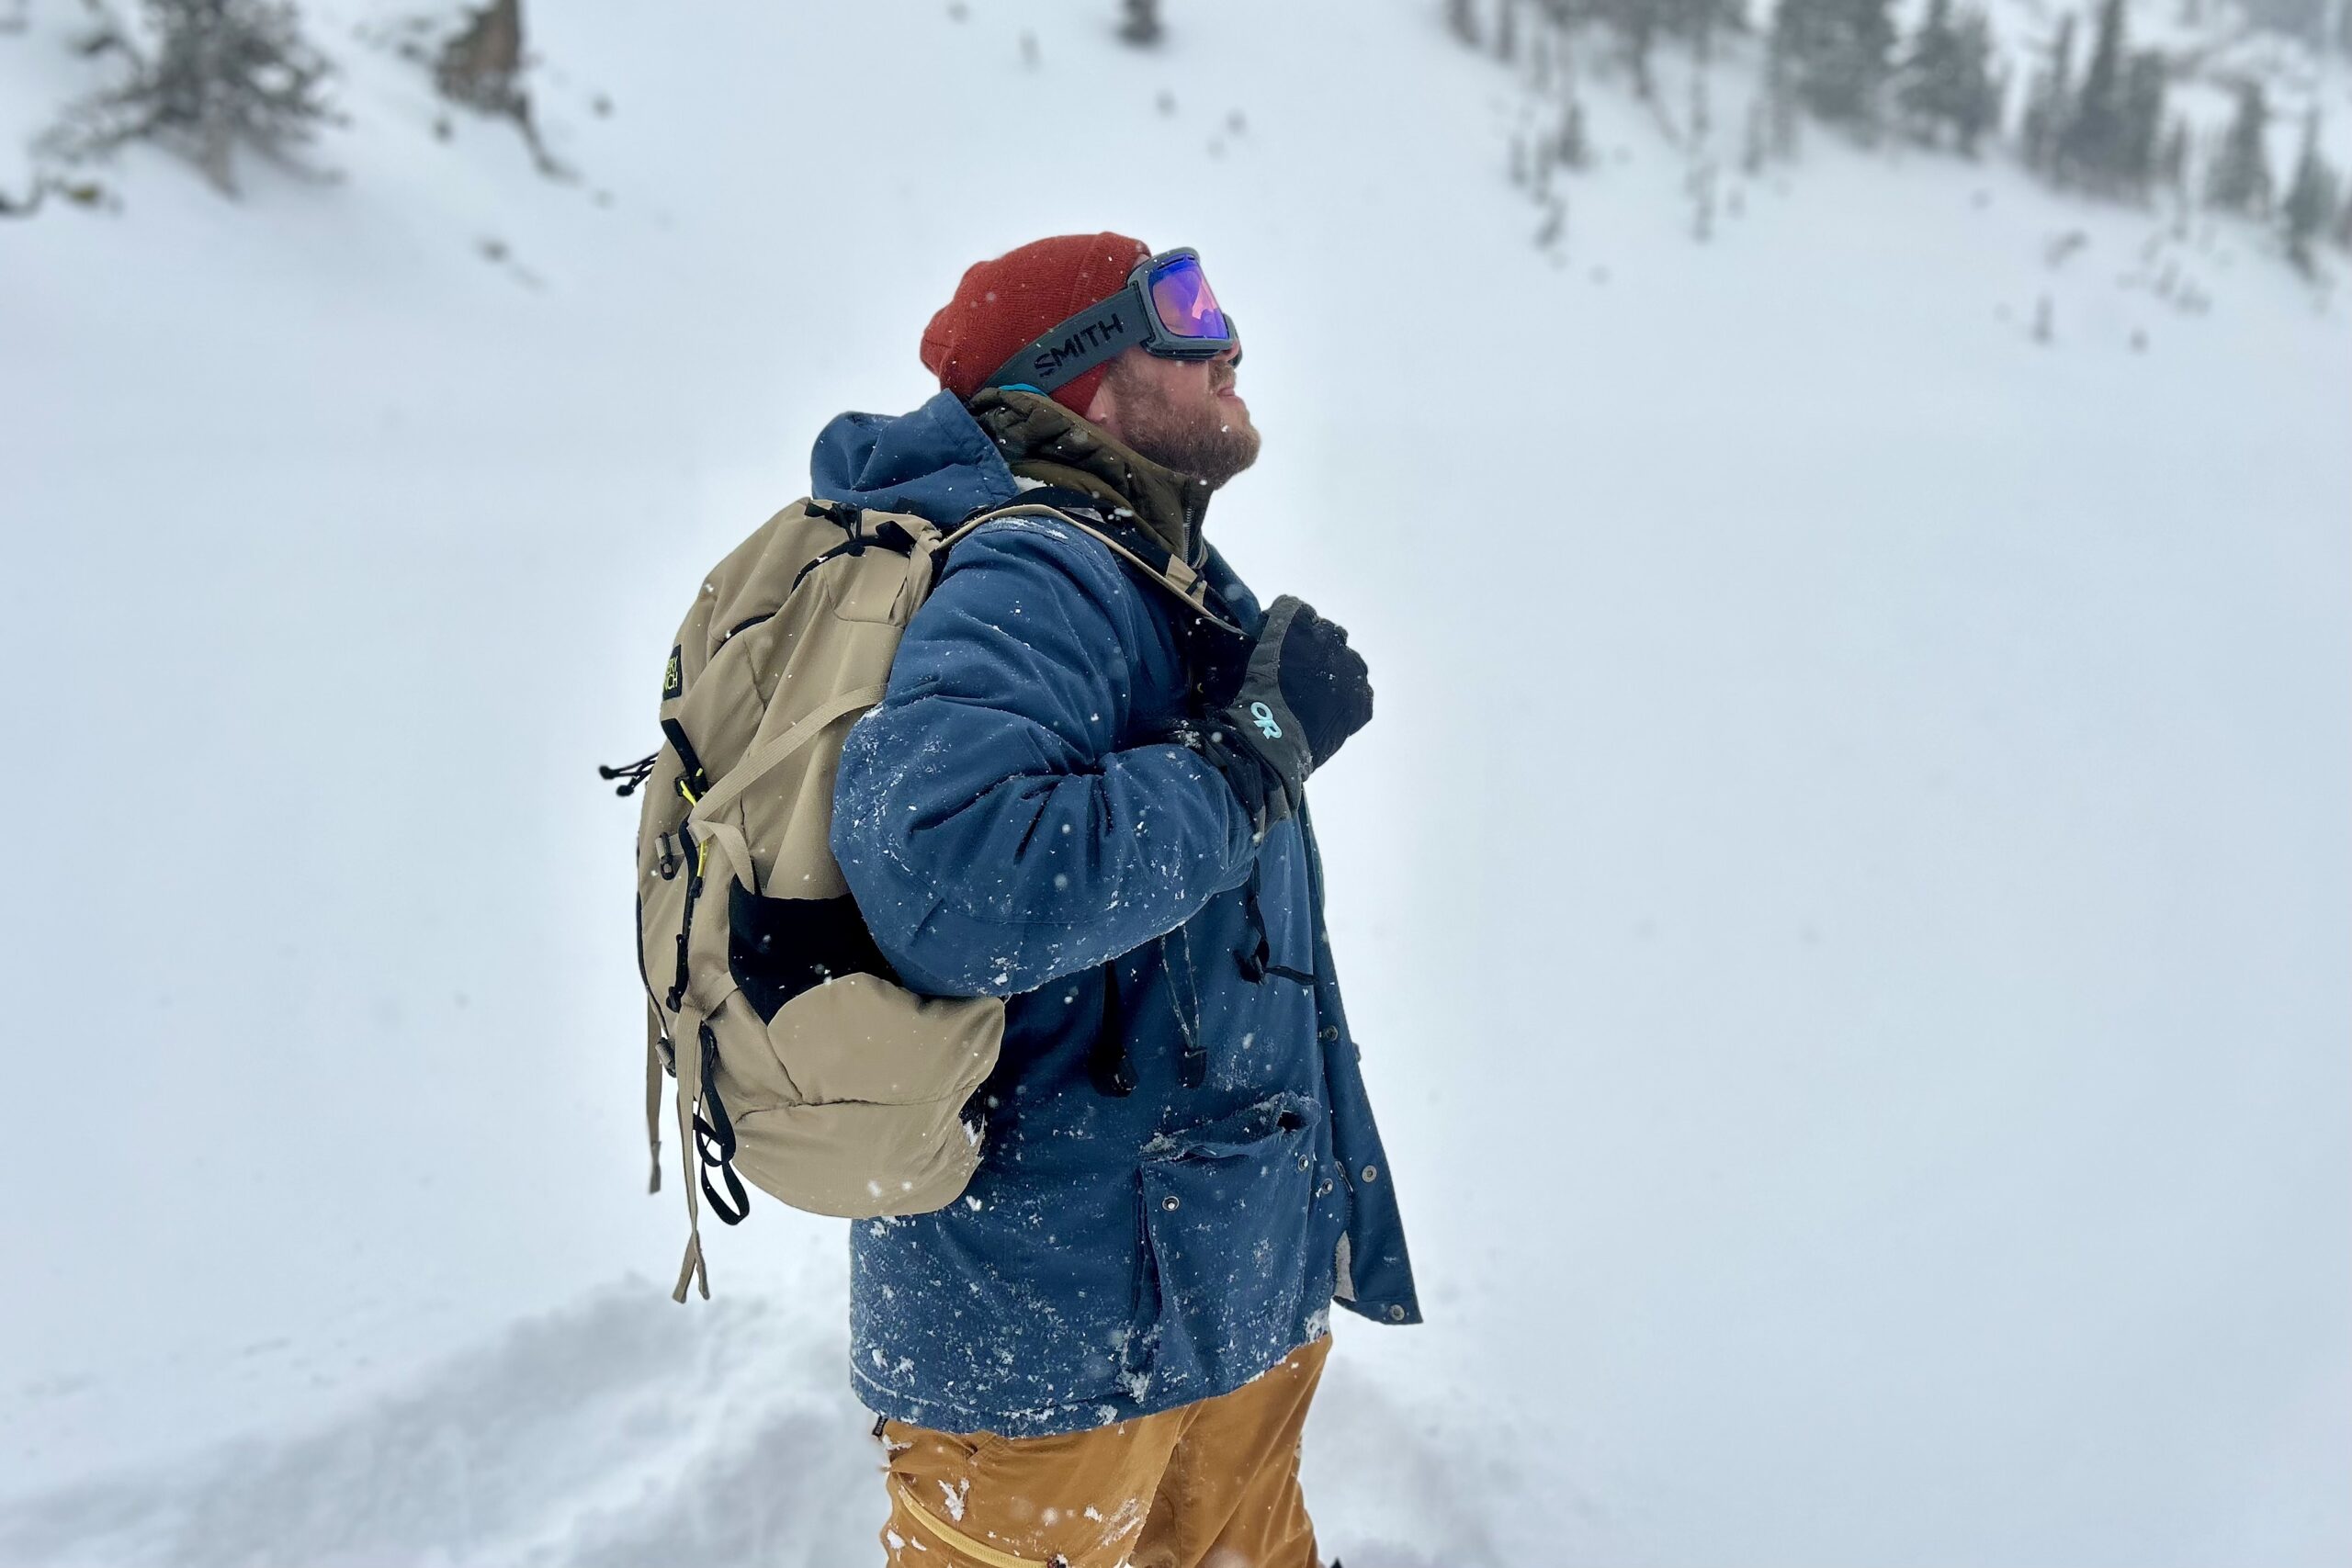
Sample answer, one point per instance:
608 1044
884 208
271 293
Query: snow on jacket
1012 823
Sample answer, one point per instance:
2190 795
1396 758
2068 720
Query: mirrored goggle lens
1186 307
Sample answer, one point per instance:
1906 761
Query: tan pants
1207 1485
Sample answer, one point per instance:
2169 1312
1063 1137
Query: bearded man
1083 793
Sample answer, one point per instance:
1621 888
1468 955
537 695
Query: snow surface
1848 897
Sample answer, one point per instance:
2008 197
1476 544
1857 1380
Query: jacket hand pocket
1230 1226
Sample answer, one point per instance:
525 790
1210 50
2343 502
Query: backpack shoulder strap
1130 544
770 753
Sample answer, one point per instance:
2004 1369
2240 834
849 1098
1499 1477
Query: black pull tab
1107 1064
715 1140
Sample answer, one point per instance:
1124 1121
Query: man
1082 794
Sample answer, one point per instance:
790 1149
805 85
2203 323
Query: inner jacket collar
1041 440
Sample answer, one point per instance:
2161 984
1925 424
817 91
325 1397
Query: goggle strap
1073 346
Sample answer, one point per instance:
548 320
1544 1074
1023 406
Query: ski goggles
1166 307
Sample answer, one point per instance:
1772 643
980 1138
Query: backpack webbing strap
1131 545
691 1268
653 1093
772 753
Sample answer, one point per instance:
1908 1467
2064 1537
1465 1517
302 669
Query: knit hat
1002 304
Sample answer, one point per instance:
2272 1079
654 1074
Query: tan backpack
800 1061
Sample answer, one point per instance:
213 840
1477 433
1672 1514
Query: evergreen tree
2239 179
1924 80
2311 198
481 67
1701 184
1697 21
1980 89
2141 151
1570 149
2172 160
1755 143
482 64
2089 150
1507 31
2047 103
1141 27
1836 54
1462 22
1945 81
1634 23
225 74
1779 100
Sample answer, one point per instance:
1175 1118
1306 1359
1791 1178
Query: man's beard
1198 437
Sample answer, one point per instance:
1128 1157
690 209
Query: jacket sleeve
993 833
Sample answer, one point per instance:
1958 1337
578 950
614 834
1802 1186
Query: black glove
1301 693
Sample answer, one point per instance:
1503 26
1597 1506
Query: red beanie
1002 304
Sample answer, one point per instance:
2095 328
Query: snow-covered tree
1141 24
1836 55
1982 84
1944 82
2311 197
2088 150
1634 24
1699 21
1923 77
481 67
2145 80
2172 160
2049 101
222 75
1571 149
482 64
1782 115
1462 21
2239 178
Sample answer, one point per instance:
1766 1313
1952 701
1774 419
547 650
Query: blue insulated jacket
1012 823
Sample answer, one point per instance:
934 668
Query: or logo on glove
1303 691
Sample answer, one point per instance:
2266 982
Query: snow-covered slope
1848 896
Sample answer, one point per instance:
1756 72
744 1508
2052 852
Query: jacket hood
936 462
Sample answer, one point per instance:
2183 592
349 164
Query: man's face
1181 414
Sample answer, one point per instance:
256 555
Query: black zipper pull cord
635 773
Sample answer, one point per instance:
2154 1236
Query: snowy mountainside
1696 112
1845 896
